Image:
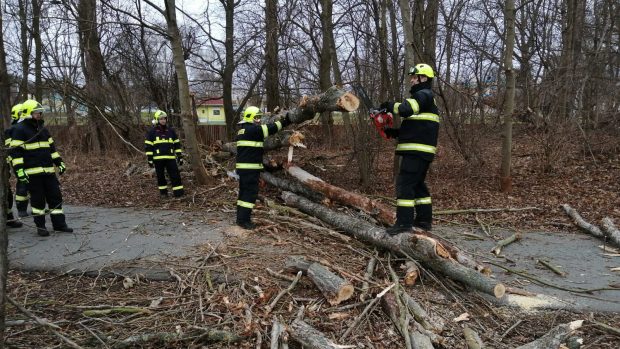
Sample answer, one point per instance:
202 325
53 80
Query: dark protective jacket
162 143
250 139
33 149
419 129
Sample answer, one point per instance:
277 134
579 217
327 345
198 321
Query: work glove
388 106
22 176
179 160
150 164
61 168
391 132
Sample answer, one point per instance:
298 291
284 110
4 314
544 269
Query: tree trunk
5 104
189 128
423 248
508 107
272 76
325 60
229 68
38 49
405 12
25 53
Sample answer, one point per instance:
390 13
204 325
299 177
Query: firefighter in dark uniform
417 144
249 165
16 111
34 156
163 151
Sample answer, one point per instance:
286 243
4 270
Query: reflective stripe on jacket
162 143
419 129
32 148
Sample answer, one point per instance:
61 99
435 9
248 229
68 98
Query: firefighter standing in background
16 111
250 139
417 144
163 151
33 156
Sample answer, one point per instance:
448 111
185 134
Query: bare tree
272 90
508 107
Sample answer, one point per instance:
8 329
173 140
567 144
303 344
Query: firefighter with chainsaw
16 111
34 156
163 151
417 144
250 137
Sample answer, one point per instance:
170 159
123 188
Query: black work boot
14 224
423 225
398 228
247 225
64 229
11 222
42 231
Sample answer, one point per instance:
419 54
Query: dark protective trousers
21 196
170 165
45 188
248 193
412 195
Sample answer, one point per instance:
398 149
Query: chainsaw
380 117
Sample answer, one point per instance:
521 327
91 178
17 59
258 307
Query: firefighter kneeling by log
249 165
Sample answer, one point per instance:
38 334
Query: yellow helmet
31 106
159 114
16 112
422 69
250 114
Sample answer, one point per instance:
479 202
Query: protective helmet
422 69
159 114
250 114
31 106
16 112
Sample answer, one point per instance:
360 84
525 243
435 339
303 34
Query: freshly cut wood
555 337
411 273
420 246
581 223
334 288
611 231
310 337
381 212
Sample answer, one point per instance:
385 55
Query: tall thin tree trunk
189 128
405 13
508 107
5 97
229 68
38 48
325 80
272 91
25 53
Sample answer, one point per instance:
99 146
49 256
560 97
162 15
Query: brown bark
335 289
509 98
272 91
309 337
189 128
425 249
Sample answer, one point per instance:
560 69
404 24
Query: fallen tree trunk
383 213
581 223
334 99
334 288
292 186
555 337
423 248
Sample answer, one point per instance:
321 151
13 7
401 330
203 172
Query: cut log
503 243
335 289
310 337
292 186
423 248
472 339
381 212
555 337
411 273
611 231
